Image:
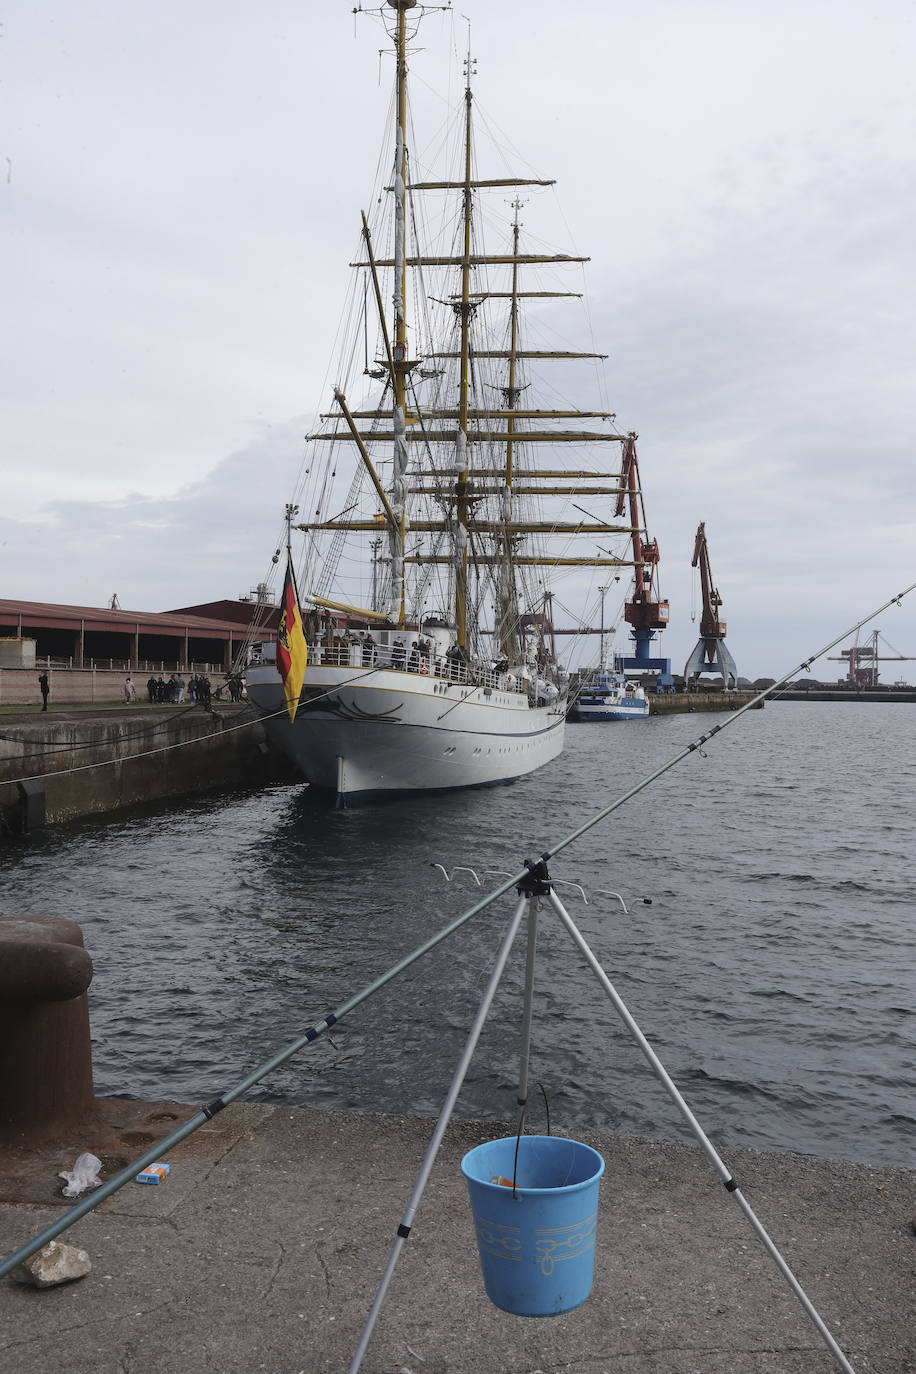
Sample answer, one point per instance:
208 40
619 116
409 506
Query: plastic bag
84 1175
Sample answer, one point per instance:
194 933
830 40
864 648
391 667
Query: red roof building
82 635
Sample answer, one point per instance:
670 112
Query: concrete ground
264 1248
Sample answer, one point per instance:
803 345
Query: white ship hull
365 734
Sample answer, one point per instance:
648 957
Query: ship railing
343 654
357 654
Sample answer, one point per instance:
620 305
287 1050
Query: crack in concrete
325 1270
640 1353
279 1265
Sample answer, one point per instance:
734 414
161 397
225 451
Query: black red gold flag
292 651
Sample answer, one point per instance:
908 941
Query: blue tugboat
609 696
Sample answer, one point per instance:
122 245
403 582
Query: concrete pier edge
92 762
265 1246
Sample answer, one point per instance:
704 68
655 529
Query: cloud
184 197
212 539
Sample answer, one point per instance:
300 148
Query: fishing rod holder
538 881
523 888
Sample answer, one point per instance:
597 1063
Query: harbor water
772 967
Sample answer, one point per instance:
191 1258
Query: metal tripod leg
444 1117
527 1011
669 1086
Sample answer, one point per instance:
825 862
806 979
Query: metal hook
606 892
460 869
566 883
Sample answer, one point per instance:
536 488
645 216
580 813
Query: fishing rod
804 666
206 1113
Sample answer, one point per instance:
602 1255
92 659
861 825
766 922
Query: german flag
292 651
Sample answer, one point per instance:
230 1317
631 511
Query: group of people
336 648
161 691
198 686
417 657
234 686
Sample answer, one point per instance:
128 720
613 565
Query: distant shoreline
838 694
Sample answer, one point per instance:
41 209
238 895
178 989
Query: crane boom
710 654
645 610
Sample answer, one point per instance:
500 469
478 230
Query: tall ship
449 513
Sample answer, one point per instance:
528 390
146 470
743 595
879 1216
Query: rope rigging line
179 744
51 748
125 758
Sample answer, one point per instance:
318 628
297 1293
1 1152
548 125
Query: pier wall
680 703
86 686
882 694
87 764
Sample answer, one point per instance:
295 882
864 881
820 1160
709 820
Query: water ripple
773 971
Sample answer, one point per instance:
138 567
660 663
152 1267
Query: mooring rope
331 1018
144 754
166 748
45 747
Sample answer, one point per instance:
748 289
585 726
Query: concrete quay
87 761
264 1248
686 703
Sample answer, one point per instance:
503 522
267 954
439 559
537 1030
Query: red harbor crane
645 611
710 654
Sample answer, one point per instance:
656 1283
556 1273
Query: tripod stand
535 889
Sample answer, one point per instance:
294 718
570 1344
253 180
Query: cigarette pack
153 1173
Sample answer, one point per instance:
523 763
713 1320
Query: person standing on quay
45 686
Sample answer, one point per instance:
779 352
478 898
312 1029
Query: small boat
608 696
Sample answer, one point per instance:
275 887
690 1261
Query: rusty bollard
45 1046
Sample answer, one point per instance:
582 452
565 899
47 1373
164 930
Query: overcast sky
181 187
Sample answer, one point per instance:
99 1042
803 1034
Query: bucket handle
518 1136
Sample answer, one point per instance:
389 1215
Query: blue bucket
536 1245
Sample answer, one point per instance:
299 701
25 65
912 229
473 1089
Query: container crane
710 654
645 611
863 660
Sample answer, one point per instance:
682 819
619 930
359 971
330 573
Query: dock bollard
45 1045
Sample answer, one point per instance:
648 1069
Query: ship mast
508 611
397 530
496 535
465 310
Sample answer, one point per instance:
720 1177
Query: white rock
56 1263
